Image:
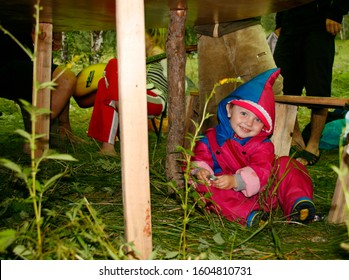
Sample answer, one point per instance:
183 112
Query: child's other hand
224 182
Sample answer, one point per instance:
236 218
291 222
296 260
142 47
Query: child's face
244 122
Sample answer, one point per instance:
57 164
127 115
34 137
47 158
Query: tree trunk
96 46
64 52
175 48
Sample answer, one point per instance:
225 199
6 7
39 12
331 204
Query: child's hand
224 182
203 176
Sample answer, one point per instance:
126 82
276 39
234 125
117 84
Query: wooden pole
44 61
175 49
338 213
285 118
134 125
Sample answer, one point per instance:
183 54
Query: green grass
98 179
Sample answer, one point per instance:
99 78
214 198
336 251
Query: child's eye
243 113
258 120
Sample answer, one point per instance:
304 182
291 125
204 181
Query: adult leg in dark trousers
306 61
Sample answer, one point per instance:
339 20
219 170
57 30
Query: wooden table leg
339 207
43 98
285 118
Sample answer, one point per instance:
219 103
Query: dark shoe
295 148
303 211
256 218
310 158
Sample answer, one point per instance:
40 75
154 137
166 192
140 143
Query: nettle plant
36 188
190 198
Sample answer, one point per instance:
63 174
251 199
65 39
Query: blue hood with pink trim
255 95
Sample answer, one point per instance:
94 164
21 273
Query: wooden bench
286 107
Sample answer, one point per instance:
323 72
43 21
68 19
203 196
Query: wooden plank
285 117
329 102
67 15
43 72
338 213
134 125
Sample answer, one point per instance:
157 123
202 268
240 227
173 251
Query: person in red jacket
104 121
235 161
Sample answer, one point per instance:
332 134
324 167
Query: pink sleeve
251 180
257 173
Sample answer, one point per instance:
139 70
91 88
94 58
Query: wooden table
72 15
129 18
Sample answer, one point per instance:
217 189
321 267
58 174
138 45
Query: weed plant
190 195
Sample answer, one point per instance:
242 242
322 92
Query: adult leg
297 138
60 98
317 122
213 65
319 50
288 56
252 54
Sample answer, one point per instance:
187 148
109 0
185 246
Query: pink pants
291 183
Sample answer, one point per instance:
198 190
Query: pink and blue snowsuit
269 181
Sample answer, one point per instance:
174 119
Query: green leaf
203 241
51 85
11 165
218 239
52 181
7 237
66 157
23 133
38 136
171 255
38 186
42 111
25 103
23 252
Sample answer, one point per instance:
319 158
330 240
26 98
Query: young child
235 161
